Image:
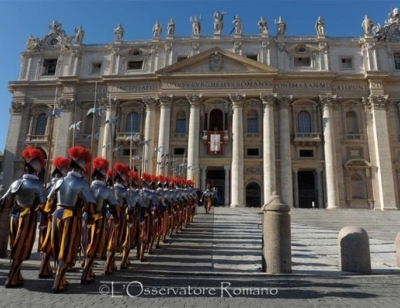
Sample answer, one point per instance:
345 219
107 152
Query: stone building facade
315 118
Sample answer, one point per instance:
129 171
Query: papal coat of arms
216 62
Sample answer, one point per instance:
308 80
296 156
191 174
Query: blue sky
99 18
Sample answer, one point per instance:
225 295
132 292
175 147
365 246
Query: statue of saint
367 25
237 22
196 26
157 29
262 26
32 43
79 34
320 26
171 27
218 22
118 33
281 26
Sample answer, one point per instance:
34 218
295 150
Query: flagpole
93 126
111 139
47 172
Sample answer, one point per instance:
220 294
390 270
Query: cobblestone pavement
216 262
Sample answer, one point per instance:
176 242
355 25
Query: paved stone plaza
216 262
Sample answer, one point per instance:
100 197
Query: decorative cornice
66 103
195 99
268 99
17 107
150 102
328 100
165 100
284 101
376 102
237 99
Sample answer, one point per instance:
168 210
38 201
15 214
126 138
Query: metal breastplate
70 189
102 194
122 196
29 190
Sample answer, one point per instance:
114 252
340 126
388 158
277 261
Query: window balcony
353 137
225 133
36 138
307 139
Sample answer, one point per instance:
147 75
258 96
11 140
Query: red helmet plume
100 165
80 156
61 164
33 157
122 171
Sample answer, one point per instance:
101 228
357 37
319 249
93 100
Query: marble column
148 146
327 102
109 128
381 158
296 187
237 183
203 177
195 101
268 100
163 133
61 134
285 153
320 188
227 192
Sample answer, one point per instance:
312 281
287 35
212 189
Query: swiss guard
28 194
61 165
66 228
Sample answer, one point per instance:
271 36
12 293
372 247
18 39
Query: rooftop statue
320 26
367 25
118 33
157 29
262 26
79 34
171 27
196 25
237 23
218 21
32 43
281 26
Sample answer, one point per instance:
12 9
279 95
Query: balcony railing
309 138
122 136
353 137
37 138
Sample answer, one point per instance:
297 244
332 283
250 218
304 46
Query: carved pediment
217 61
134 53
300 49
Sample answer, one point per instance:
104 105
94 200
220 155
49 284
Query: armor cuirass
102 193
70 189
29 190
121 195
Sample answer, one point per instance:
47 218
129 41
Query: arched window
180 124
252 122
41 125
351 123
132 123
303 122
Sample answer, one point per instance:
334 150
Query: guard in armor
139 210
97 237
28 194
61 165
207 197
73 198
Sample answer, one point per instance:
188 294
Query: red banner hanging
215 142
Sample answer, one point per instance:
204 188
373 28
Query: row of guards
119 210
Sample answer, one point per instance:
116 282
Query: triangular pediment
217 61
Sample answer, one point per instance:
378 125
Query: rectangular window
397 61
253 152
302 62
179 151
96 68
181 58
306 153
346 63
180 126
252 57
135 65
252 125
49 67
127 152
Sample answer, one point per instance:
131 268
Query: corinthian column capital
328 100
150 102
376 102
237 99
165 100
284 101
195 99
268 99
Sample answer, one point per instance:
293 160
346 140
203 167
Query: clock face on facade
53 41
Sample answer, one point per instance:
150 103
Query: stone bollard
354 255
276 252
397 244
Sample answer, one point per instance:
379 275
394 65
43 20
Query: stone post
276 236
354 255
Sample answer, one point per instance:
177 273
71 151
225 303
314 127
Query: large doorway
253 195
308 195
216 179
